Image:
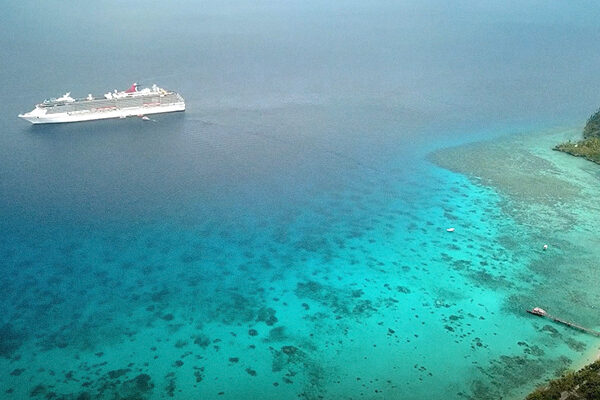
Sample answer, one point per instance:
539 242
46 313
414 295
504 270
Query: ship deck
152 100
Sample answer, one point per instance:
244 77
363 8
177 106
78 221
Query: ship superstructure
127 103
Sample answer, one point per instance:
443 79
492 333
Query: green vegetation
582 385
589 147
592 126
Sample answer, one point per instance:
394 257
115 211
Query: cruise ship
126 103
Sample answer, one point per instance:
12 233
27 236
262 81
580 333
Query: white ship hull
38 118
129 103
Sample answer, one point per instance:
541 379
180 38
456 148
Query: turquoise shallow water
354 293
286 236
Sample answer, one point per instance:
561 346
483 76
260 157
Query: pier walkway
542 313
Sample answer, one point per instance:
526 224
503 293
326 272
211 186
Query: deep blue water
285 236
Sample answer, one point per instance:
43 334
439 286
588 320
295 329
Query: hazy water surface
286 235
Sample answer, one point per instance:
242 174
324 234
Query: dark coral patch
10 340
37 390
266 314
116 373
141 383
289 350
202 340
168 317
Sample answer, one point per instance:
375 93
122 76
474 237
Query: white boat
127 103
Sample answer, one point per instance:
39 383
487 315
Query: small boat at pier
540 312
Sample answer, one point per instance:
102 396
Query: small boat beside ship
132 102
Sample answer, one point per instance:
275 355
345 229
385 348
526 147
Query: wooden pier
542 313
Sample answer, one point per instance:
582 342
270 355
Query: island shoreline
552 184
